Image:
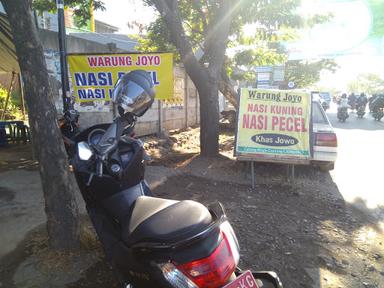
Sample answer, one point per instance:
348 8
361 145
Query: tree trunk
205 79
209 115
58 183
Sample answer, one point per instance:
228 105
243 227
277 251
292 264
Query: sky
347 37
119 12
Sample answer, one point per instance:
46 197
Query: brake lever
99 167
90 179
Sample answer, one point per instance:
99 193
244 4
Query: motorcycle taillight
214 270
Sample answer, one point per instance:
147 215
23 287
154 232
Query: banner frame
273 158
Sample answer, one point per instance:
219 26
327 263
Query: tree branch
202 15
226 88
169 10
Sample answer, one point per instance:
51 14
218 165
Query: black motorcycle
378 113
360 111
378 107
342 114
69 128
149 241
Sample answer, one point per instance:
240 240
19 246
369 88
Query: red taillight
213 271
326 139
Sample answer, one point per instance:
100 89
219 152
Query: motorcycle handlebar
99 167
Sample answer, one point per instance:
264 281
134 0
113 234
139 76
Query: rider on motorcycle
343 103
361 101
377 106
352 100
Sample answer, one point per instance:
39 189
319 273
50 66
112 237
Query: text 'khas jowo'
274 125
94 76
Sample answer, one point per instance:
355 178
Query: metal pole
253 174
63 53
186 96
22 95
160 127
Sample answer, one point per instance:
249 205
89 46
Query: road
359 171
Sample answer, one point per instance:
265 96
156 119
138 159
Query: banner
94 75
274 124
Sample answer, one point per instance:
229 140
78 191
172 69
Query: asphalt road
359 171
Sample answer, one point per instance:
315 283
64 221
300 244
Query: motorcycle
342 114
378 113
361 111
150 241
69 127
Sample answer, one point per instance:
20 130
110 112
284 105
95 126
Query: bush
13 108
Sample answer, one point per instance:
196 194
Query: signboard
274 125
269 77
94 75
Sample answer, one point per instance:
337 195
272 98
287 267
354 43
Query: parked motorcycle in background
149 241
69 128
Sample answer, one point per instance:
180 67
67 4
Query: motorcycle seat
156 220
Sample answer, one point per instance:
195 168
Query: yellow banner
94 75
274 123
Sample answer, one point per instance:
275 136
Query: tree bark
58 183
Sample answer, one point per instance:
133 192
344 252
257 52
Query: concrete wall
172 116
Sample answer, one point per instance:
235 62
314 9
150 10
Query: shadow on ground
304 231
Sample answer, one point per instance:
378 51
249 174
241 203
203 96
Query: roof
8 58
123 42
109 26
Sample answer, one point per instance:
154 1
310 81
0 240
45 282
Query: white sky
345 33
119 12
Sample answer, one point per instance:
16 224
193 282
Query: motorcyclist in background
352 101
362 100
361 104
378 107
370 101
343 103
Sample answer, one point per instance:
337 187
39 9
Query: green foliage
368 83
81 8
377 12
13 108
274 21
246 61
305 73
158 39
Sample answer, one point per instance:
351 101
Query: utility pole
63 53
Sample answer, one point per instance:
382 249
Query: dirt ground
303 230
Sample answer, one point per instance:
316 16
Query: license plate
245 280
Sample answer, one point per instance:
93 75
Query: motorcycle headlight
84 151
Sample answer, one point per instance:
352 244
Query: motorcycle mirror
85 152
